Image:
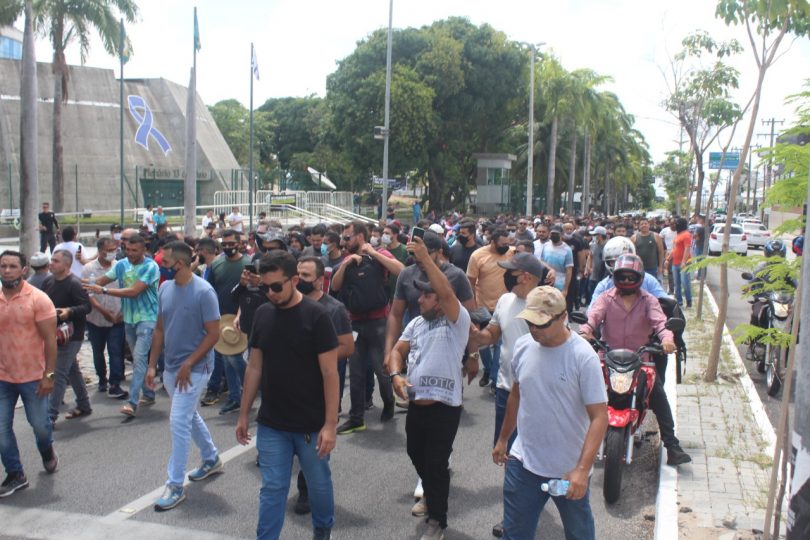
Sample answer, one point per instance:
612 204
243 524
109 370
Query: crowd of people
412 311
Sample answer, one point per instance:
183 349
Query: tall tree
65 21
29 177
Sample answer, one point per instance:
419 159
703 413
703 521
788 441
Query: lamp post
387 105
530 164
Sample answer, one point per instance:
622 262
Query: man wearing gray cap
523 273
558 404
39 264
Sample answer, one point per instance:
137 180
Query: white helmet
615 248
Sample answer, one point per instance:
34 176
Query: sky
299 42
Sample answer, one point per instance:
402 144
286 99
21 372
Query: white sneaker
418 492
420 509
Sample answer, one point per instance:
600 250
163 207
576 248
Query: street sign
729 163
393 183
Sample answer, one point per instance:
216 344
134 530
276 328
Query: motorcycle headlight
621 382
780 311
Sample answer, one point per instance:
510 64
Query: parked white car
757 233
737 242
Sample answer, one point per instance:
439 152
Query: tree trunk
606 197
552 168
572 173
586 175
701 175
29 176
60 77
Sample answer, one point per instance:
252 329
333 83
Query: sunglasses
626 278
276 287
346 238
533 326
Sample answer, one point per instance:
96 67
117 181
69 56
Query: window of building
10 48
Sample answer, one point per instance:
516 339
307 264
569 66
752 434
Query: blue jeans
523 502
139 337
491 358
501 397
111 338
276 450
682 281
215 382
235 366
36 411
186 424
67 371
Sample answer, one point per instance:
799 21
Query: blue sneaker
172 496
213 466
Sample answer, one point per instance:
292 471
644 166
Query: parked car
737 242
757 233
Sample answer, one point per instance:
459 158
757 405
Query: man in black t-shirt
579 249
464 245
48 227
299 385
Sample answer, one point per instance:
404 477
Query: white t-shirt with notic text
434 361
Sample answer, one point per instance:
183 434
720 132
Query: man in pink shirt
627 316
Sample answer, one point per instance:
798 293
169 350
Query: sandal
128 410
76 413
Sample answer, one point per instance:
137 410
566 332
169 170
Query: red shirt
681 250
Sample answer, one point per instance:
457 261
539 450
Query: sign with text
393 183
730 162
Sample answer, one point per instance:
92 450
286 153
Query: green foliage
767 15
675 172
747 333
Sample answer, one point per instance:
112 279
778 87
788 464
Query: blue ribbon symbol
146 129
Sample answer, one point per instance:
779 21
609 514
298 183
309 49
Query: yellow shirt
483 267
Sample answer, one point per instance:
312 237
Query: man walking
188 312
137 278
27 364
559 425
299 384
72 306
433 345
105 324
48 227
650 248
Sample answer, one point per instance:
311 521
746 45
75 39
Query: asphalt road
108 464
739 312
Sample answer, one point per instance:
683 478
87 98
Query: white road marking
666 502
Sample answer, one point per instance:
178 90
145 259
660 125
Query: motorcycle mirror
747 276
675 325
578 317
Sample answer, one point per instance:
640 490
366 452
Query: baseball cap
434 242
525 262
438 229
542 305
38 260
599 230
556 228
423 286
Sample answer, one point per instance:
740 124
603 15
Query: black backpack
364 286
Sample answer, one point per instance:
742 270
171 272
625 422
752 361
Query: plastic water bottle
555 487
91 279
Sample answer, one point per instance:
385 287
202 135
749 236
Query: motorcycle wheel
680 365
614 463
772 376
761 359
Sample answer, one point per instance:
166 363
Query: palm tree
29 177
66 21
554 83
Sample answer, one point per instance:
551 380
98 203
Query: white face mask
117 236
386 239
109 257
374 241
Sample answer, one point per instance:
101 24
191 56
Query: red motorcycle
629 380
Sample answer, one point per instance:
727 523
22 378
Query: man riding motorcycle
627 315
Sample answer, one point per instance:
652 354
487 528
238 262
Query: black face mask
229 252
555 237
510 281
11 283
502 249
305 287
463 239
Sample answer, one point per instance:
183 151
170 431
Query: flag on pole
197 45
254 64
124 50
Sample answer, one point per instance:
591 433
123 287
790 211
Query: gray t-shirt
406 291
434 361
597 261
338 314
184 310
555 386
512 329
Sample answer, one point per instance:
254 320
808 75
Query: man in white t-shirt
70 244
208 218
235 220
523 273
148 219
433 344
558 404
668 235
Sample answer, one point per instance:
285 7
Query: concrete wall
90 130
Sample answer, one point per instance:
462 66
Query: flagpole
190 184
250 150
122 37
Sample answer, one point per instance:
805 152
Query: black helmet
775 247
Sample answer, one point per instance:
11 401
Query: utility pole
769 166
387 135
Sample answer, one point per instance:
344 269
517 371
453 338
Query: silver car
757 233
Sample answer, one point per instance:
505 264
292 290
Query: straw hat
231 341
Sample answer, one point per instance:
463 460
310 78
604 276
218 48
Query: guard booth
493 183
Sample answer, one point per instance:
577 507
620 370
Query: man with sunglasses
299 385
627 315
558 404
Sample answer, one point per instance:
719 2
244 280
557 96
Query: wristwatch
104 290
50 376
394 374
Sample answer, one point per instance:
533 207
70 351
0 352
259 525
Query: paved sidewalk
723 492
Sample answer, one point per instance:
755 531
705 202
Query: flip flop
76 413
128 410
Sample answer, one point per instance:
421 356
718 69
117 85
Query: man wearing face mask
224 276
333 258
465 245
558 255
486 279
105 324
